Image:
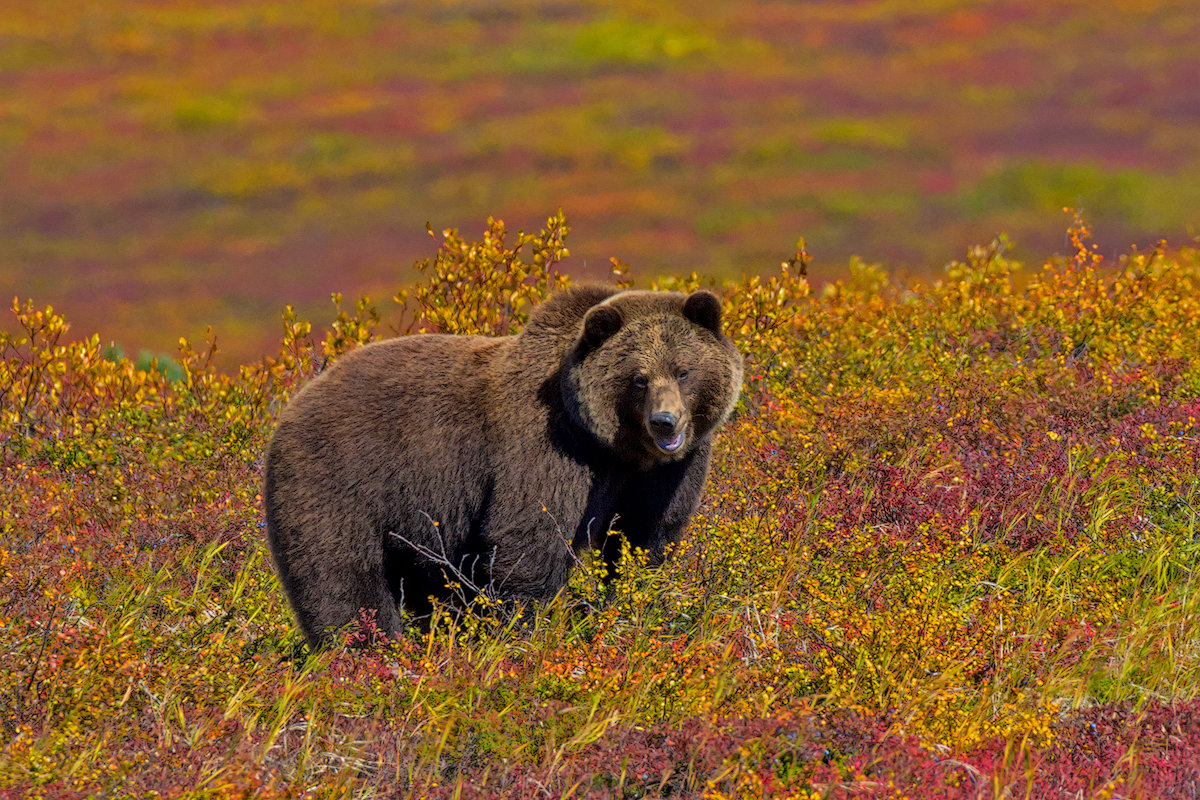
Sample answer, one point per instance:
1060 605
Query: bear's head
651 373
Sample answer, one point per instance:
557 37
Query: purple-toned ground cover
947 551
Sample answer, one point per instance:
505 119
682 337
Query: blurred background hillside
167 165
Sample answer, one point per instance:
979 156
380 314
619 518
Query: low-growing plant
948 550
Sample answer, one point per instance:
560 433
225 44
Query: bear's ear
704 308
599 324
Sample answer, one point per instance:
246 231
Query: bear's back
437 376
404 415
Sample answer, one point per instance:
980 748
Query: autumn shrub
947 550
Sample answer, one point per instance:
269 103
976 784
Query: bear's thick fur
491 462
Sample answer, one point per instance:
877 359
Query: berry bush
948 550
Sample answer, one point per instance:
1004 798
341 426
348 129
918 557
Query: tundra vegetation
948 550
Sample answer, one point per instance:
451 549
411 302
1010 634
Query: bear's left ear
599 324
704 308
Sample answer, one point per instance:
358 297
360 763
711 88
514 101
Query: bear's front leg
655 507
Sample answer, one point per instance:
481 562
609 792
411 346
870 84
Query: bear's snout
662 423
664 419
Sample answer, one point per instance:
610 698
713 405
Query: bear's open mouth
670 444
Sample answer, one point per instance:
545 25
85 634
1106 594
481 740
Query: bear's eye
681 375
641 381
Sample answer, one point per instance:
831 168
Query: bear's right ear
599 324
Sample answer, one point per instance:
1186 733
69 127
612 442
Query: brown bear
423 462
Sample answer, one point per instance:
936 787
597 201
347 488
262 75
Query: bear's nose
663 422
